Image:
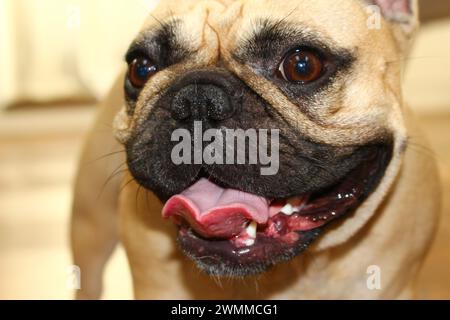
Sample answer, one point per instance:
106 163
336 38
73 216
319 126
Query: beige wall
427 78
59 49
65 49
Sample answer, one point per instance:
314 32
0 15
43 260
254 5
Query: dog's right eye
140 70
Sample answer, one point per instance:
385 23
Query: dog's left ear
403 15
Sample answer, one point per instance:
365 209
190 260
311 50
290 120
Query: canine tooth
288 209
251 229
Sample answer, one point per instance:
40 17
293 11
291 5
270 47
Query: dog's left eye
302 66
140 70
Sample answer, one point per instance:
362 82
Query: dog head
315 83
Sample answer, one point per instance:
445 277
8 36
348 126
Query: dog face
315 75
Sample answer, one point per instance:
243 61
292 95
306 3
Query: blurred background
59 57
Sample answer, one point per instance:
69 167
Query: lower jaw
222 258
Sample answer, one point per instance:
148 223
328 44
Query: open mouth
235 233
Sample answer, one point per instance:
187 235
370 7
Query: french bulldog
350 207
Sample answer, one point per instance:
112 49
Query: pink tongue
214 212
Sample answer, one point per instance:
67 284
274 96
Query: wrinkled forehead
342 22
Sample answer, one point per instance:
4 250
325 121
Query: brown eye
302 66
140 70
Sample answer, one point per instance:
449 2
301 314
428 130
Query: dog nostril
181 106
182 111
218 104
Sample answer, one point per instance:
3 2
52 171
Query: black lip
221 258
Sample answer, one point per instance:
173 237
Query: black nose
202 101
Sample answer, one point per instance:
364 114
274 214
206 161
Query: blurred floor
38 152
38 155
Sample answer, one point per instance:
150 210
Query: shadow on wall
434 9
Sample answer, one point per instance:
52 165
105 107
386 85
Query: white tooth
251 229
287 209
249 242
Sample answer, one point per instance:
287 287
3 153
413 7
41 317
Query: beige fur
391 229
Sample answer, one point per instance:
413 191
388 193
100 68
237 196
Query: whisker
162 24
136 200
125 185
147 201
424 149
114 174
105 156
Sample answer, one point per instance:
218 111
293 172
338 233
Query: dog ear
399 11
402 15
